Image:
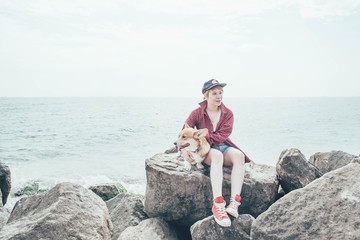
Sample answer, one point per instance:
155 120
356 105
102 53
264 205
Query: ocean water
106 140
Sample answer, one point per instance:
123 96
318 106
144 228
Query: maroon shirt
199 118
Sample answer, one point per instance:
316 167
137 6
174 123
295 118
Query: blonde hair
206 94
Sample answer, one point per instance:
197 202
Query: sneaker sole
223 224
232 213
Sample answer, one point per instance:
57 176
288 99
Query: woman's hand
187 155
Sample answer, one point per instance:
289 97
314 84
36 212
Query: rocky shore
298 198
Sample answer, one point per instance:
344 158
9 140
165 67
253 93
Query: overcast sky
259 48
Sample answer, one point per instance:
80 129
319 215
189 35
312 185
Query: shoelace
233 204
221 212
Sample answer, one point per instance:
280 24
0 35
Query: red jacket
200 119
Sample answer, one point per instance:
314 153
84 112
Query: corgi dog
194 141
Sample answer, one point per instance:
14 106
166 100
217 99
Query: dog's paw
187 168
199 166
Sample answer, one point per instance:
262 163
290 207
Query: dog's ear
187 125
200 133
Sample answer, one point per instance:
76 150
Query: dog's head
190 138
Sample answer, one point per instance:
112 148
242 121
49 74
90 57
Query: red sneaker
232 209
219 212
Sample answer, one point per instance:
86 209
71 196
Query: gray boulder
208 229
294 171
327 208
125 210
175 194
5 182
329 161
149 229
67 211
260 189
5 187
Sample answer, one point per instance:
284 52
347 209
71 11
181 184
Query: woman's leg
236 159
215 160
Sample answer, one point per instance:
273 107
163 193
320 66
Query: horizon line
149 96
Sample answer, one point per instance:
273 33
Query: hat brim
214 85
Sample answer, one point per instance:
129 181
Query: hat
211 84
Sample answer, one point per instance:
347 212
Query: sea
106 140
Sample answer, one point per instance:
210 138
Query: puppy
194 141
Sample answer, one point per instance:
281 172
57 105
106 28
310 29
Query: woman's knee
214 157
235 157
241 157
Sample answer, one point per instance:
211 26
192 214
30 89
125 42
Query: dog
195 142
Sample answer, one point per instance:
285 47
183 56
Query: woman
213 115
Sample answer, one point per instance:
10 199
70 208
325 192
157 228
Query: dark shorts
222 147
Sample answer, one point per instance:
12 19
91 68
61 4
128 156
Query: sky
162 48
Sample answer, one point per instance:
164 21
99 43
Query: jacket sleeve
192 119
223 132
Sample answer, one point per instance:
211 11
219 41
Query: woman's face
215 97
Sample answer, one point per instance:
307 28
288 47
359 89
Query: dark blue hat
211 84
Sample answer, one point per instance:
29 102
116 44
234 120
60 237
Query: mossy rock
106 192
120 188
32 189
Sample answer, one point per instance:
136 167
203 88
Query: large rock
125 210
208 229
327 208
5 182
186 197
149 229
5 187
67 211
329 161
294 171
